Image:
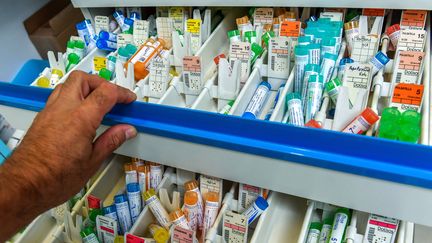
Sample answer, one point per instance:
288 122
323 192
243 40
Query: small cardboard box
51 26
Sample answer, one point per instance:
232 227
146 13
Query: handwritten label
124 39
357 77
101 23
140 32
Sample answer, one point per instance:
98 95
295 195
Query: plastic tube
210 210
106 45
105 35
310 69
378 62
332 89
295 109
193 186
313 96
160 234
156 173
341 219
362 122
270 112
314 232
131 174
327 66
256 209
191 209
156 208
314 54
301 60
178 219
134 197
256 104
123 214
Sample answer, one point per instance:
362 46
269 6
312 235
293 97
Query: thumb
111 139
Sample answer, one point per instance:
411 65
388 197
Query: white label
300 64
101 23
252 213
358 126
279 57
159 77
140 32
213 184
192 76
124 39
165 28
357 77
123 215
134 205
247 195
144 181
200 216
257 102
411 40
333 16
339 225
158 211
191 212
131 177
241 51
313 236
325 233
106 229
90 239
181 222
327 69
381 229
364 48
210 214
295 112
263 16
155 175
235 227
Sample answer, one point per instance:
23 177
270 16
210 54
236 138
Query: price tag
413 19
193 26
192 75
130 238
124 39
411 40
241 51
99 63
159 77
279 57
140 32
373 12
290 28
101 23
106 229
407 97
247 195
408 67
235 227
181 235
177 14
333 16
364 48
165 27
357 77
213 184
263 16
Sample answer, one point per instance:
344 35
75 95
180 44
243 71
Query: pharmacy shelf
363 173
413 4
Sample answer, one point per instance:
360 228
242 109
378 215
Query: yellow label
176 12
193 25
99 63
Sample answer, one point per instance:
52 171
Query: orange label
410 94
413 18
373 12
290 28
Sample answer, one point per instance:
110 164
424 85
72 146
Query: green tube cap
73 58
105 73
316 225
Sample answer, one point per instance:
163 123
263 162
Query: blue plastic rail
366 156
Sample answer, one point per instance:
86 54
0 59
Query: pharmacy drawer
216 44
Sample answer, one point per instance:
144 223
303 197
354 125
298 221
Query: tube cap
131 49
392 29
233 33
70 44
316 78
79 44
105 74
292 96
109 209
190 185
266 84
370 115
304 39
334 83
301 51
112 59
261 203
43 82
120 198
86 231
330 56
133 187
345 60
316 225
410 117
122 51
148 194
409 133
94 213
73 58
313 123
328 221
390 114
267 36
345 211
312 68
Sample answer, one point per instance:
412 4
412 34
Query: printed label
247 195
192 74
159 77
290 28
165 28
140 32
407 97
373 12
177 14
381 229
263 16
213 184
124 39
99 63
235 227
193 26
241 51
357 77
106 229
411 40
333 16
181 235
408 67
130 238
413 19
279 57
101 23
364 48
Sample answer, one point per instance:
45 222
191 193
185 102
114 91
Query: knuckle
74 75
115 141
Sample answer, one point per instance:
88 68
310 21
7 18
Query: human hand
59 153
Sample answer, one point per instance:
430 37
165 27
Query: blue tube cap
120 198
109 209
261 203
132 187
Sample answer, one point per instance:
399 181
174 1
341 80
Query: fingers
102 100
54 95
110 140
81 84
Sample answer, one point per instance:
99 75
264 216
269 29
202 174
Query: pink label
181 235
382 224
192 64
134 239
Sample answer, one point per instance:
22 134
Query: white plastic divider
282 220
216 44
357 225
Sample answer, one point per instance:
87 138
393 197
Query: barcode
227 235
398 77
186 79
243 200
371 234
272 62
